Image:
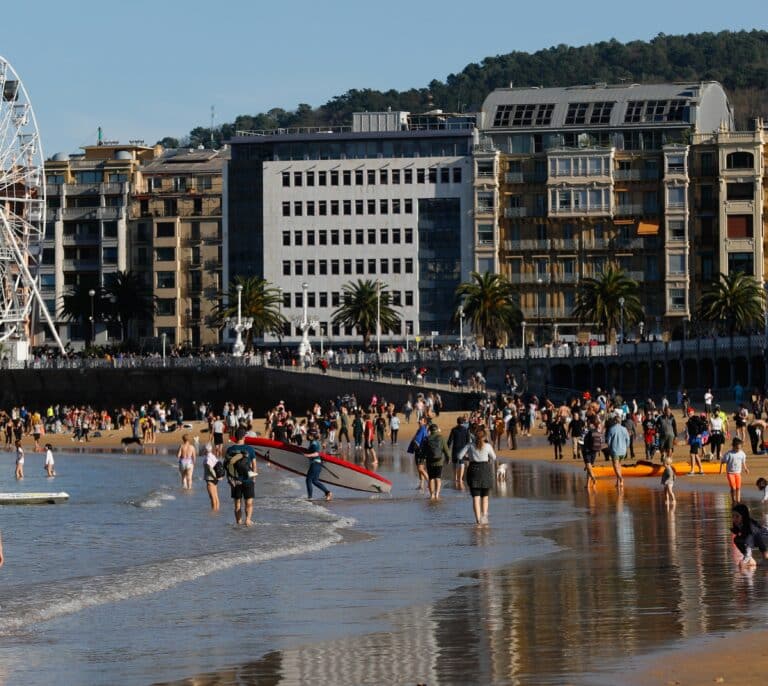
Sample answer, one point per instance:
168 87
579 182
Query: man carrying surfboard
240 466
315 467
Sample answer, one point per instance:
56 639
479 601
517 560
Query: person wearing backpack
694 427
436 451
240 466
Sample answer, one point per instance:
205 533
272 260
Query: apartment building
176 210
570 179
389 200
87 226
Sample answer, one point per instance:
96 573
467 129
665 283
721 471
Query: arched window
740 160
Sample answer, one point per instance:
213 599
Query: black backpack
237 465
218 470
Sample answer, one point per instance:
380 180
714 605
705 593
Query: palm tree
599 301
735 301
259 300
361 302
79 305
489 303
128 298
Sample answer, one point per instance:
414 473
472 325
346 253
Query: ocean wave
76 595
153 500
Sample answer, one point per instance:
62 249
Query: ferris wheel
22 211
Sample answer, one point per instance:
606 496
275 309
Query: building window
286 267
371 236
359 266
165 254
310 178
383 206
577 113
407 175
432 175
420 175
396 206
297 178
335 298
322 178
408 206
322 208
740 191
334 178
109 230
741 262
676 229
371 177
395 176
359 237
335 207
445 175
358 177
396 265
409 298
347 177
334 267
457 174
310 267
165 307
286 179
485 234
384 236
397 298
166 279
740 160
676 298
286 209
297 208
347 207
383 177
334 236
408 265
165 229
323 267
384 266
298 267
310 208
676 196
739 226
109 255
396 236
310 237
323 299
322 237
371 266
286 238
677 264
347 266
408 235
347 236
371 206
298 238
359 207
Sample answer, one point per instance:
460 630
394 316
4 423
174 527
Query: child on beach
49 468
19 461
668 482
749 534
735 460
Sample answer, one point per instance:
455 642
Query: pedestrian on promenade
735 460
480 473
749 534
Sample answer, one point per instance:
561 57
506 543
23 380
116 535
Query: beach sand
741 658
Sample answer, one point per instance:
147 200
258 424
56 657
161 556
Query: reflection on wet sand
631 577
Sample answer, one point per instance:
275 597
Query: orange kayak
645 468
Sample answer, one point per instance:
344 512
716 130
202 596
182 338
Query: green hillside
738 60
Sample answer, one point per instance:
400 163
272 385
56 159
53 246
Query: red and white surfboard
336 472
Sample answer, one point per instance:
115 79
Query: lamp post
407 332
523 341
280 317
322 333
538 313
621 321
378 317
461 326
305 325
162 337
641 326
92 293
239 324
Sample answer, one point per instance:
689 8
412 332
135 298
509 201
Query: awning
619 222
647 228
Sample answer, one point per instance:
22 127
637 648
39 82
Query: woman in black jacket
749 534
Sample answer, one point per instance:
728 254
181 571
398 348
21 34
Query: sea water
135 581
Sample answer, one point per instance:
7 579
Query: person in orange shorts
735 460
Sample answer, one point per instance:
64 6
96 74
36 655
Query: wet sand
728 651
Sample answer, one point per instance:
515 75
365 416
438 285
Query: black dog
128 440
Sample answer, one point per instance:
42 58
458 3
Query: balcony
595 211
627 174
539 279
83 188
52 189
541 313
564 243
597 243
512 212
629 243
513 177
91 265
628 210
81 239
527 244
484 209
565 278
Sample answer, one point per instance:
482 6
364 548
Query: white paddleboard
336 472
33 498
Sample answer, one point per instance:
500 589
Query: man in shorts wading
243 488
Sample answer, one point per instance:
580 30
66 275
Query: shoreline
693 660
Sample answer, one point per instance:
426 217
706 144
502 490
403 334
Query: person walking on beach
666 428
480 474
19 461
240 464
749 534
436 450
717 429
617 438
211 476
394 427
49 467
186 457
694 427
668 484
315 467
593 444
575 431
457 440
414 447
734 460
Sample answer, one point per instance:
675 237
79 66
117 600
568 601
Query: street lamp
538 312
92 293
621 327
280 317
461 326
407 332
378 317
305 324
523 325
163 336
239 324
641 326
322 333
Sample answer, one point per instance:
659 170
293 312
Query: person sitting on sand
749 534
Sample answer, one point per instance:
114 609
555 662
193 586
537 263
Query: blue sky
143 70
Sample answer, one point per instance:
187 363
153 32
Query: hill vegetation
738 60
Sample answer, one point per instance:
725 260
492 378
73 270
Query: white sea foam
154 499
80 594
